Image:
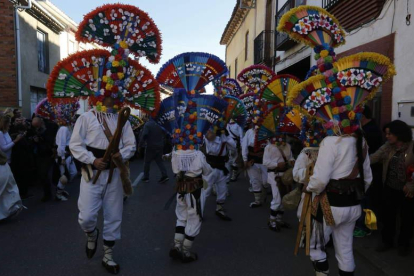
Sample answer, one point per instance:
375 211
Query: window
235 69
300 2
246 46
42 52
36 95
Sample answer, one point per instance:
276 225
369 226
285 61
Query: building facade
42 36
382 26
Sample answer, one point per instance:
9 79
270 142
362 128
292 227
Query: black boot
321 268
92 243
221 213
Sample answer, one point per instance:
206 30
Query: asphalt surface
46 239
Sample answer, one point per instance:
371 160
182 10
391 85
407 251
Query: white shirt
62 140
214 147
89 132
235 131
272 155
247 141
198 164
336 159
302 163
6 144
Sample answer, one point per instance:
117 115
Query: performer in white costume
254 164
217 150
88 145
274 159
189 166
236 133
65 160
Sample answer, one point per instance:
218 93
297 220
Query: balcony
353 13
262 48
283 42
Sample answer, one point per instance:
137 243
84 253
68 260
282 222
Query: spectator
396 155
10 202
6 143
373 196
17 114
153 136
22 160
43 139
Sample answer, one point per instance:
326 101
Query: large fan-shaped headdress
191 71
229 87
45 110
276 91
338 91
256 77
235 111
277 122
96 74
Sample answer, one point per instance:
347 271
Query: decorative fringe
185 159
299 38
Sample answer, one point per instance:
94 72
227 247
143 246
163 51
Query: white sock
187 246
108 252
92 238
178 240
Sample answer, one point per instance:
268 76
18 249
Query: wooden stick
113 146
308 226
305 210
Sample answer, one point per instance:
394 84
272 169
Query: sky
185 25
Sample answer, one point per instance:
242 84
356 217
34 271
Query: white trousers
71 167
187 216
217 178
233 154
342 234
276 204
258 176
93 197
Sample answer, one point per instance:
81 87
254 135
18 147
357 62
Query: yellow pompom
105 79
344 94
324 53
103 108
191 147
178 130
351 115
123 44
179 147
335 110
121 75
108 86
115 63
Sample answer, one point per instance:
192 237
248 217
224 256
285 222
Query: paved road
46 238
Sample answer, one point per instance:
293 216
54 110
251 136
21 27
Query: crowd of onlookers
29 145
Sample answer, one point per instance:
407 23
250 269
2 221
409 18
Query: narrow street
47 240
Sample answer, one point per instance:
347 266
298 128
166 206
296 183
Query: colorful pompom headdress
339 89
256 77
60 113
227 87
96 74
191 71
187 115
276 123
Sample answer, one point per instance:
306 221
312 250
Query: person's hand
304 189
281 165
100 164
407 192
18 138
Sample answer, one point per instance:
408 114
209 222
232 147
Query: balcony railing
262 48
326 4
283 42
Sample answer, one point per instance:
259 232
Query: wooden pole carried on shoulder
113 146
